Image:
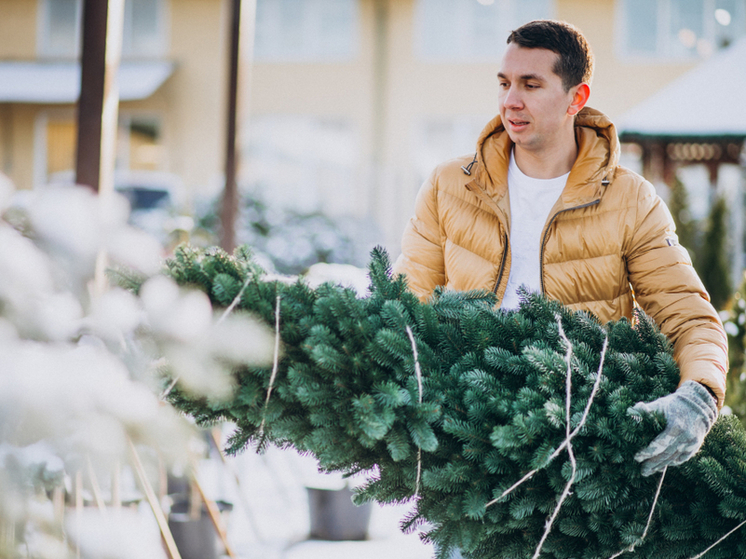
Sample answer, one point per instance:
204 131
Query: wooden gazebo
699 118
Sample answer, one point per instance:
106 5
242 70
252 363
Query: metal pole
229 209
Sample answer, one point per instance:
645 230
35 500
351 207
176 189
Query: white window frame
44 49
43 23
310 51
40 176
162 40
125 123
664 52
509 8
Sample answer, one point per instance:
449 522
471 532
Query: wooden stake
78 505
160 518
95 486
116 487
214 512
58 505
244 501
7 538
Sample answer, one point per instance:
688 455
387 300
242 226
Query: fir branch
484 396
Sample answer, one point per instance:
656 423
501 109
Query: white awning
707 101
59 82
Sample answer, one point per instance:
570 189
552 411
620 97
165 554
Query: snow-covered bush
81 365
289 241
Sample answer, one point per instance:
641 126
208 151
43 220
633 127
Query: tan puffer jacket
608 242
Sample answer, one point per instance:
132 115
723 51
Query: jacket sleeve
421 258
668 289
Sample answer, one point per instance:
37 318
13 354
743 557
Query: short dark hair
575 63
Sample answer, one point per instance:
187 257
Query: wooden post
229 209
98 105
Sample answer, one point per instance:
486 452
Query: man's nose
512 99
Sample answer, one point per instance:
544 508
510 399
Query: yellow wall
18 29
195 95
23 130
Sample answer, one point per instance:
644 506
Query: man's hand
689 413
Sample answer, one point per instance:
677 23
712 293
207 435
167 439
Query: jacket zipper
546 233
502 264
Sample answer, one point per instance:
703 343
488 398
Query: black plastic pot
335 517
195 537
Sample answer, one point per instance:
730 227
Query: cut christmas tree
508 431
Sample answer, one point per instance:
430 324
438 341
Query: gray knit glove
689 413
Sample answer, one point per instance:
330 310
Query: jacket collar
598 157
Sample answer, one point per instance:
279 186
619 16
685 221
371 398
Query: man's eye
503 85
532 86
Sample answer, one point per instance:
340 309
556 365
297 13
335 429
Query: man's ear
579 98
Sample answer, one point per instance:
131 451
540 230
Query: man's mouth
518 122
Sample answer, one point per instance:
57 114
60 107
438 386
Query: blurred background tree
735 326
687 227
286 240
712 257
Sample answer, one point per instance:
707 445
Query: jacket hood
598 157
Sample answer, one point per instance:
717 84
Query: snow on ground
345 275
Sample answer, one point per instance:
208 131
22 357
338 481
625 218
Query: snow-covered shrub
81 364
289 241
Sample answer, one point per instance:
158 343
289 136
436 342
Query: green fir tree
712 259
686 226
735 326
483 404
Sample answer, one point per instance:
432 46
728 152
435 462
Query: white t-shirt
530 203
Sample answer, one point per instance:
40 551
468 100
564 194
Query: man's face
534 106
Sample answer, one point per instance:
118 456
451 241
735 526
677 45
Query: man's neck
548 163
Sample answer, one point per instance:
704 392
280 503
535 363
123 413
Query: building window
139 145
61 138
144 29
471 30
679 29
61 27
306 30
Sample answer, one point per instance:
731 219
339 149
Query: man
544 204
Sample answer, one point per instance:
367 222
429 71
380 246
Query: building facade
346 104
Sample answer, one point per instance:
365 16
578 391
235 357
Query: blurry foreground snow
82 368
80 372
